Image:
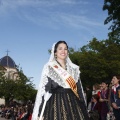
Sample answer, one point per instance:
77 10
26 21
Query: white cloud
42 12
11 3
78 20
7 6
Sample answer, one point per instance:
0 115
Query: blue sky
28 28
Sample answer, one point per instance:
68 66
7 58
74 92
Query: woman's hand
106 100
101 100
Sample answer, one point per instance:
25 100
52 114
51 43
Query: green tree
113 8
98 60
20 89
25 88
2 81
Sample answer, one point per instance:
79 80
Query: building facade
8 65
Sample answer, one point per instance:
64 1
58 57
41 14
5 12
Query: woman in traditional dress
60 94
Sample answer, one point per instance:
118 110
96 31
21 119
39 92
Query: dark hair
96 86
59 42
118 77
95 96
106 82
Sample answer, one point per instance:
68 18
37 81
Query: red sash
66 77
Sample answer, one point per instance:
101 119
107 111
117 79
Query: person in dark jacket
115 97
95 108
88 94
104 99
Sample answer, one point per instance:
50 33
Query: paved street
2 118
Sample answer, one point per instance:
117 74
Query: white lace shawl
49 72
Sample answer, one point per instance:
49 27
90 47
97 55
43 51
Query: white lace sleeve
41 92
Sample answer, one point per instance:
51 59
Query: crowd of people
16 111
105 99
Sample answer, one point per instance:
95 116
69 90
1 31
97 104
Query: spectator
88 95
104 100
95 108
115 96
96 89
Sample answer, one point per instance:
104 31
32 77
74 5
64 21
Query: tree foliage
113 8
98 60
20 89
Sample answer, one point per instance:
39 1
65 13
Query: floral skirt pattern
64 105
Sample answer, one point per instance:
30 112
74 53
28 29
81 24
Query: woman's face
61 51
115 81
104 85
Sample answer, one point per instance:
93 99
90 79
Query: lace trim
49 72
54 76
41 92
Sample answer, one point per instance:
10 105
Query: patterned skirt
64 105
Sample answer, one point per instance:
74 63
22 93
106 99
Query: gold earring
55 56
68 55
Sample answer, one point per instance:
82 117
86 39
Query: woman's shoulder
74 67
47 65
